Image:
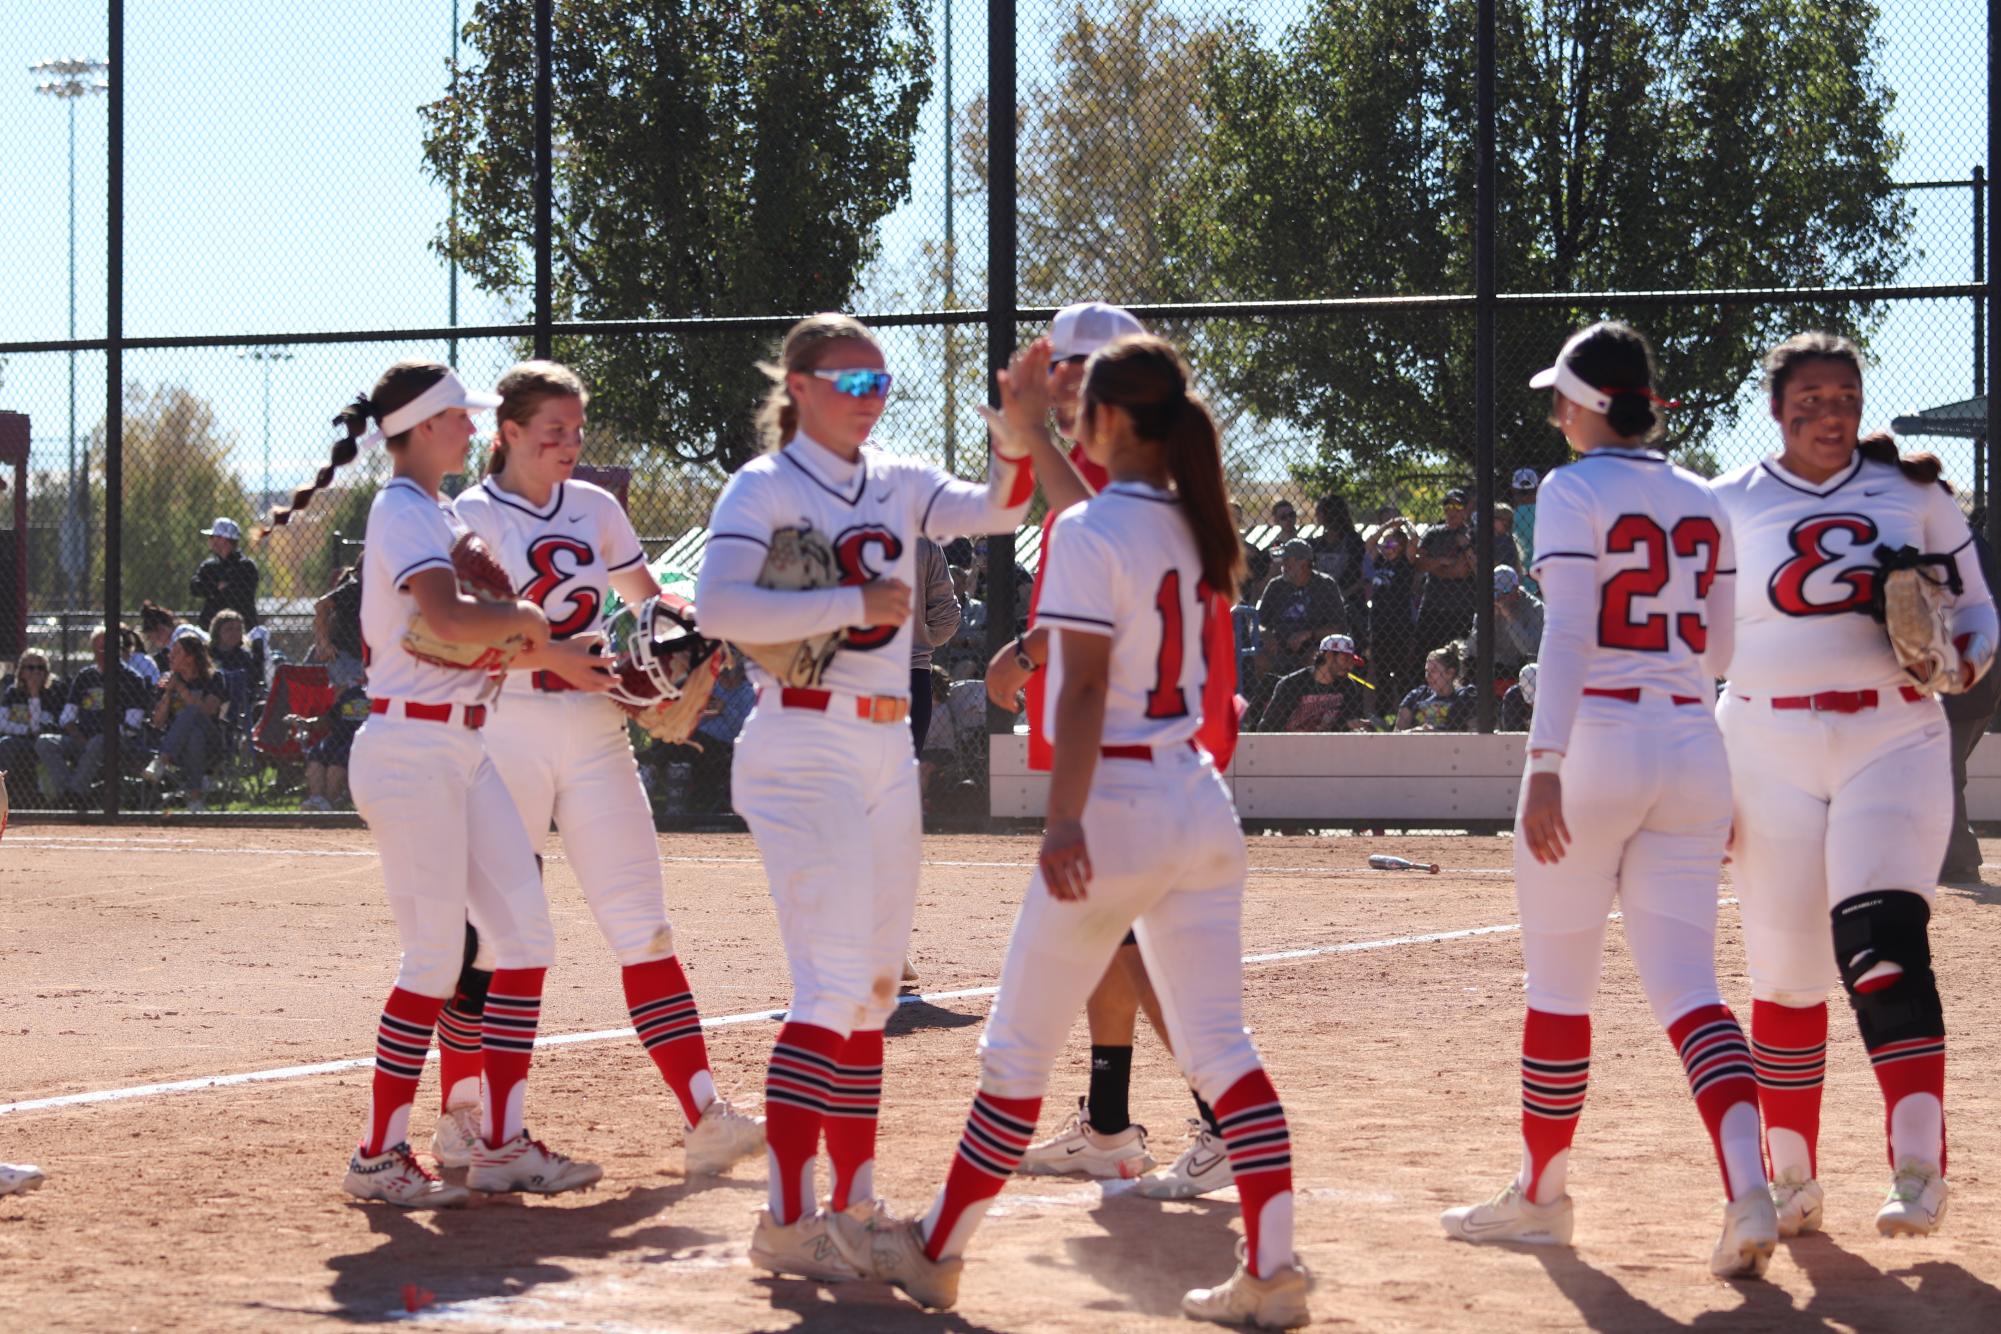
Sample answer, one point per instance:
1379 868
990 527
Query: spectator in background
29 707
156 629
1526 486
1518 705
1443 703
1393 586
1517 622
940 603
1257 565
72 755
188 716
1339 551
1286 520
326 759
969 642
337 628
1324 697
1505 550
228 578
1299 608
1446 559
225 644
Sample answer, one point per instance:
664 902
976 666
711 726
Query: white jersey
409 531
560 556
1807 552
871 512
1124 564
1659 556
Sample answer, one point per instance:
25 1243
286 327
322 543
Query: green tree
176 480
730 157
1646 146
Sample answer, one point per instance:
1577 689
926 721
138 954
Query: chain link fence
1286 188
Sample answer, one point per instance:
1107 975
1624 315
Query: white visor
443 396
1572 386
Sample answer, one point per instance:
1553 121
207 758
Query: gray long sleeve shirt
941 604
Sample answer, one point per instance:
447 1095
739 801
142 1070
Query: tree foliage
1647 146
716 157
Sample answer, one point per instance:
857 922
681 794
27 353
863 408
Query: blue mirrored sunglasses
857 384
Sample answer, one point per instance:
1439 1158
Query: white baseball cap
224 528
1337 644
1568 382
1506 580
1526 480
1080 330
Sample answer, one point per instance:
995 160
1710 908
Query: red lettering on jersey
1649 634
1810 543
1167 699
850 549
551 573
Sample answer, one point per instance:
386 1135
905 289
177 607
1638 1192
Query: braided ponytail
400 385
1924 469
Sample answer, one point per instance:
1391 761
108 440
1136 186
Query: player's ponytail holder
1647 392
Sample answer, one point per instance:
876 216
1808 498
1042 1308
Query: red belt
868 708
1631 695
1838 701
473 716
1133 752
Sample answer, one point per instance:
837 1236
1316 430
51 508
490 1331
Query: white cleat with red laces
396 1177
525 1163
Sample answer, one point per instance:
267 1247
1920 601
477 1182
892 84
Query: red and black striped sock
1912 1066
996 1136
851 1115
1721 1076
507 1036
1252 1123
1556 1071
458 1056
663 1012
402 1041
1789 1054
797 1084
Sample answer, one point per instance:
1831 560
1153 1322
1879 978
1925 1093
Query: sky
274 183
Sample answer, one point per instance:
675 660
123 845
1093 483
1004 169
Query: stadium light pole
266 356
70 81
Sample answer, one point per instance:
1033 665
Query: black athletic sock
1208 1114
1111 1080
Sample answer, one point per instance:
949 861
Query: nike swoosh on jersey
1883 492
574 518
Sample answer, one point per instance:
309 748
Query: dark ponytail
1879 447
400 385
1145 376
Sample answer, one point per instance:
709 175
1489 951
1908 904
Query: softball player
1843 775
445 829
1627 793
1099 1138
826 778
562 749
1127 591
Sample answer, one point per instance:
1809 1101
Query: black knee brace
1889 926
470 998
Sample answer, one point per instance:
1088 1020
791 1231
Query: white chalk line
289 1072
66 844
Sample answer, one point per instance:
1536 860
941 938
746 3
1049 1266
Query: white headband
1573 387
448 393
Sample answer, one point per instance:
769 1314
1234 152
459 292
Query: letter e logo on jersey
1800 589
850 550
556 561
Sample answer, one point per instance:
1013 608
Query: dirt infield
165 955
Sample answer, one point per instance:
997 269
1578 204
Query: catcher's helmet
658 647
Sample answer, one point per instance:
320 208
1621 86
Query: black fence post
115 704
1993 442
1980 323
1485 175
1002 298
545 172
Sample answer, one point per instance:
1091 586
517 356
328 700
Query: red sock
1789 1050
1915 1065
997 1134
1556 1070
664 1014
851 1117
507 1034
402 1041
458 1054
1260 1147
1721 1076
797 1084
